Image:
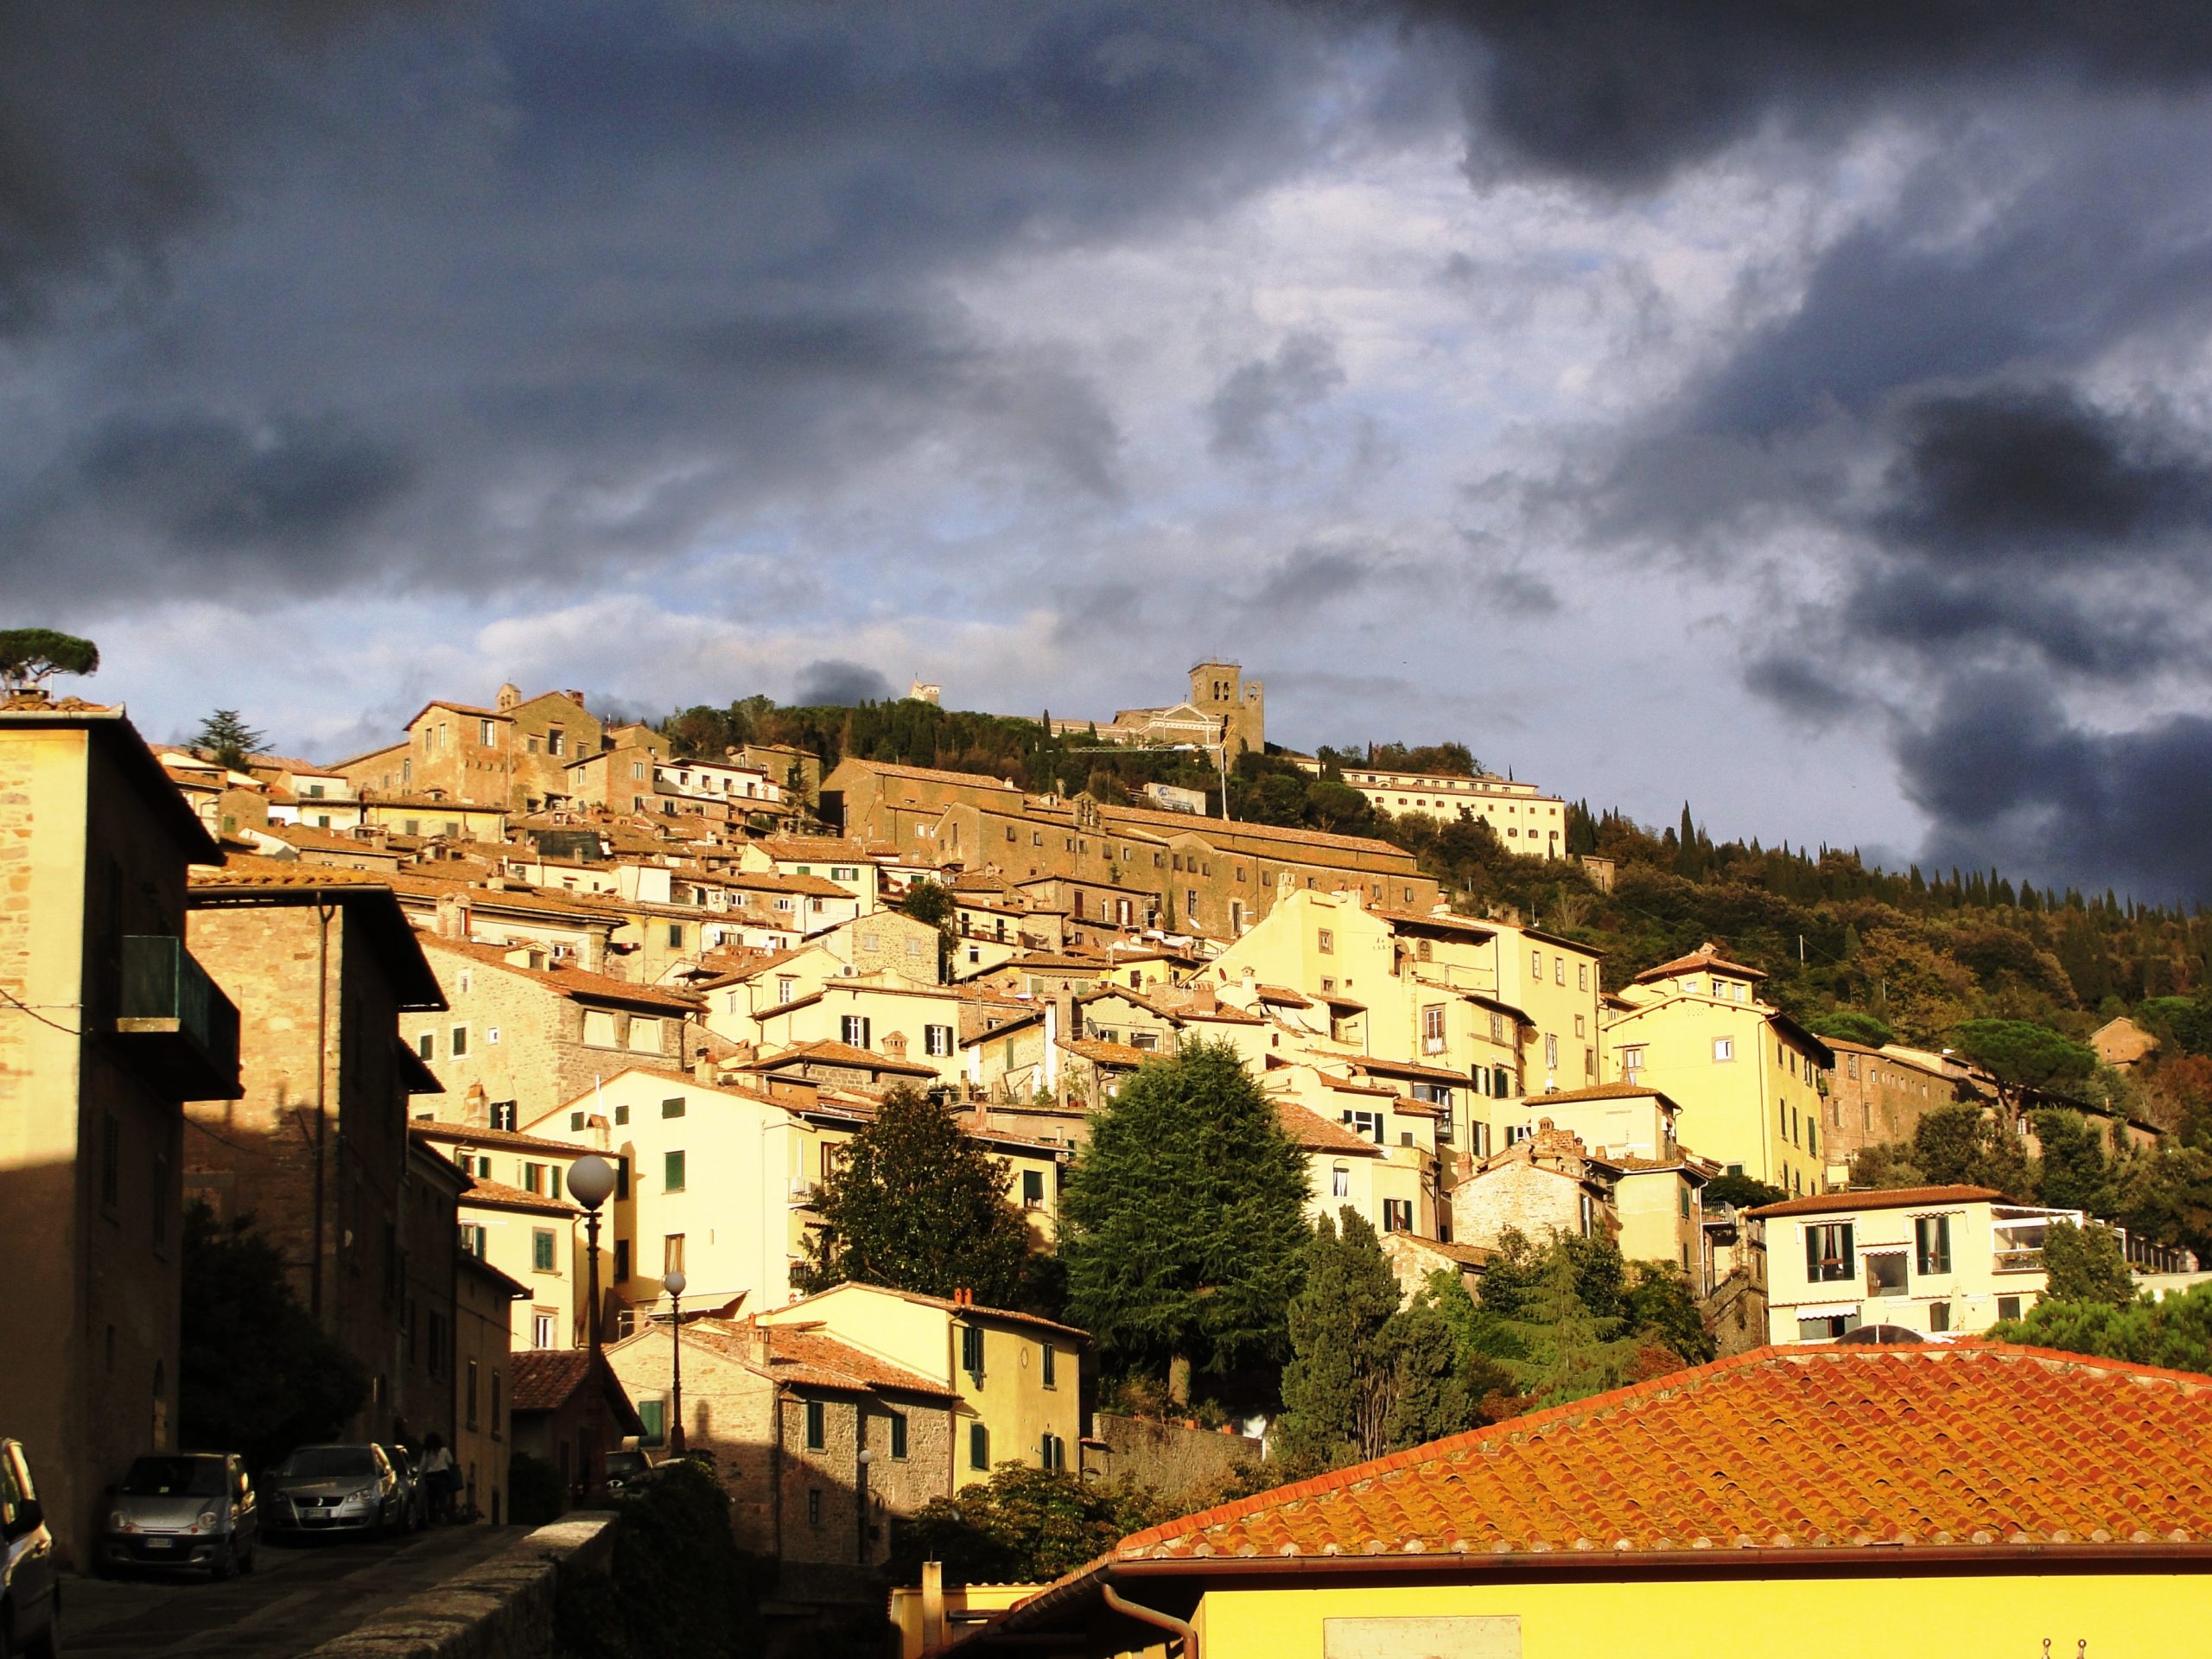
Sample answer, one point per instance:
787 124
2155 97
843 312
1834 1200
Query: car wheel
226 1564
246 1560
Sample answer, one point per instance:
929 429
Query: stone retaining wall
501 1608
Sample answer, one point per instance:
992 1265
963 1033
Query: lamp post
673 1284
867 1456
591 1183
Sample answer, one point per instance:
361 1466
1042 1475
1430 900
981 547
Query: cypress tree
1333 1409
1182 1222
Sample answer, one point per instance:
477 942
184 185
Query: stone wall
501 1608
1178 1461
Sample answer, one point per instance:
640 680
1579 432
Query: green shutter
1850 1264
1813 1255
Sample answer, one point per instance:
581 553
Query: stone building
531 1033
316 1149
107 1025
786 1413
1874 1096
1542 1185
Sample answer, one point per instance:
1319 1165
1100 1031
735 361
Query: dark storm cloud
1257 397
834 682
2010 780
625 276
1623 91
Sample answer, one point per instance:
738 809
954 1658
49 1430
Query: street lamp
673 1284
591 1183
867 1456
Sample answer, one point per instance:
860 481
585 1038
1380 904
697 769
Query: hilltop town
379 1009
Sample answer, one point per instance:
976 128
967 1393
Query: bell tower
1240 705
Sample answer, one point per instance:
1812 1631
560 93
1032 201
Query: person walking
444 1477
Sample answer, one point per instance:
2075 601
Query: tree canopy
33 656
227 737
2084 1264
1182 1224
255 1373
2025 1054
916 1205
2176 1333
1022 1526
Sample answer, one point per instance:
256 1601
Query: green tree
1569 1351
930 901
30 657
915 1204
1741 1192
1333 1389
1886 1164
1850 1025
2085 1264
1963 1146
2074 1172
2176 1333
226 737
1431 1392
1183 1220
255 1372
2022 1055
1022 1526
1661 1307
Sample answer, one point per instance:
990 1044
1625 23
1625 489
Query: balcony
178 1029
2018 1261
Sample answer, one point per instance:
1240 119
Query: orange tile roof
1314 1133
1604 1092
1827 1449
1703 959
1893 1197
465 1134
1102 1052
932 775
1190 824
569 981
826 1052
498 1195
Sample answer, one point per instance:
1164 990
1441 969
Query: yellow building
1943 1260
1018 1376
1525 819
1748 1077
515 1217
107 1025
1980 1503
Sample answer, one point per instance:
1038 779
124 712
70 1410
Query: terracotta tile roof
541 1379
831 1054
825 849
1284 994
813 1359
569 981
1314 1133
1703 959
952 1306
1189 823
463 1135
1603 1091
498 1195
254 870
1426 919
1825 1449
1408 1068
931 775
1894 1197
1101 1052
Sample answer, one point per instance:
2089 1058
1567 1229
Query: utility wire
13 1000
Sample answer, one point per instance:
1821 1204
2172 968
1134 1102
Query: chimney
894 1045
1202 999
453 922
933 1605
703 1070
576 697
595 952
474 1111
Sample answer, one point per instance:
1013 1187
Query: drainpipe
1159 1621
324 911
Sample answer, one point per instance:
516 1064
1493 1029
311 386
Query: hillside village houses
518 935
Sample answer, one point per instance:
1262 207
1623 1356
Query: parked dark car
332 1489
414 1493
186 1511
627 1470
30 1594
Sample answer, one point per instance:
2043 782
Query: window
425 1045
971 1350
652 1419
1632 1061
1551 1051
979 1447
645 1034
598 1028
1582 976
1397 1215
1939 1316
621 1260
786 989
503 1115
671 1253
541 1250
1432 1028
1559 970
473 1238
672 1107
575 1122
1828 1328
1033 1189
1885 1274
2008 1307
1498 1027
1828 1252
1682 1200
1052 1453
814 1506
472 1368
460 1041
1051 1373
1339 1182
936 1040
1325 942
898 1434
675 936
542 1322
852 1030
1724 1048
671 1172
1369 1126
1536 964
817 1428
1931 1237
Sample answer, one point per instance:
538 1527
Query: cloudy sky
1799 408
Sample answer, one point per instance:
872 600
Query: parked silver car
30 1593
190 1512
414 1496
332 1489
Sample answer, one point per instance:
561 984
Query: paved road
297 1595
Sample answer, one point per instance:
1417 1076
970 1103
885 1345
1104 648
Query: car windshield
323 1462
173 1477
